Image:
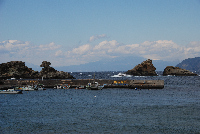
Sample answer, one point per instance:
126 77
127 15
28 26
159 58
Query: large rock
16 69
170 70
50 73
146 68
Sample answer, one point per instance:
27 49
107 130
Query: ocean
174 109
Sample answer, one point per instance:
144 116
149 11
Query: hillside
191 64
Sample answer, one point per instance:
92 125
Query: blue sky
72 32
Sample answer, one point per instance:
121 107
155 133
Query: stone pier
140 84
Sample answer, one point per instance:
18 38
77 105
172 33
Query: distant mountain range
115 64
124 64
191 64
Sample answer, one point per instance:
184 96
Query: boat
27 88
94 86
11 91
39 87
62 86
80 87
59 86
121 75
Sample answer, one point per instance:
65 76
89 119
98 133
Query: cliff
170 70
146 68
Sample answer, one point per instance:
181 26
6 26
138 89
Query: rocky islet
171 70
17 69
146 68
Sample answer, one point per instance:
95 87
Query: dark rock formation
50 73
146 68
170 70
191 64
16 69
47 69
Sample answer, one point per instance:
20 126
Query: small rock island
146 68
171 70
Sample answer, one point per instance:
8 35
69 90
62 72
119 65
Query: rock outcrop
17 69
146 68
170 70
50 73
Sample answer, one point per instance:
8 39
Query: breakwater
51 83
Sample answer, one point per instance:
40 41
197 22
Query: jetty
73 83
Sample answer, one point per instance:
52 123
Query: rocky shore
17 70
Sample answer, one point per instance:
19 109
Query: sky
75 32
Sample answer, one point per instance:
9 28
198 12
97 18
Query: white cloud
14 50
58 53
13 45
162 49
192 49
81 49
95 37
108 46
50 46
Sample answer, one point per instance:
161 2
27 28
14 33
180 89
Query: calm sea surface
174 109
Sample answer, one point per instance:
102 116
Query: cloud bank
166 50
14 50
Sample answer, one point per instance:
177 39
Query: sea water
174 109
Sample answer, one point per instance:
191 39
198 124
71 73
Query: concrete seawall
140 84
